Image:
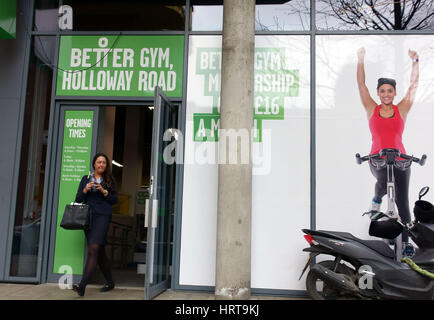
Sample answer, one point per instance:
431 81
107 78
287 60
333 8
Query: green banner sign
120 66
8 19
76 152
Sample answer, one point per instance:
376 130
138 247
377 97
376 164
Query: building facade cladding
14 61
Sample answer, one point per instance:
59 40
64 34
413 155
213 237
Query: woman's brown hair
107 177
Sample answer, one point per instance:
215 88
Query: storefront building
140 81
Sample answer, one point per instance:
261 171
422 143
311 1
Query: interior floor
126 277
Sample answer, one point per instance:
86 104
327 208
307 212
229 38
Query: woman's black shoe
107 287
79 290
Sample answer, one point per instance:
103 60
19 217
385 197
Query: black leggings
402 179
96 254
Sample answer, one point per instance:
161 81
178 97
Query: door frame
54 183
160 100
48 238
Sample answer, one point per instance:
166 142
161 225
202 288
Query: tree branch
414 9
380 17
376 14
422 21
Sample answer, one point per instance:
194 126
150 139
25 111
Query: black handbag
76 217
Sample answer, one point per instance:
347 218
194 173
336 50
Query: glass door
159 208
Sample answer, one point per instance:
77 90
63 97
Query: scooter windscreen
387 229
423 211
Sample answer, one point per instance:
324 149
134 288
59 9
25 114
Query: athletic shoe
375 206
408 250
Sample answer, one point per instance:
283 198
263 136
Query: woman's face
387 93
100 165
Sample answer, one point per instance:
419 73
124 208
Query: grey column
235 177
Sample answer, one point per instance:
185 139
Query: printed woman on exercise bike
386 123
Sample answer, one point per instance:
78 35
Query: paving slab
51 291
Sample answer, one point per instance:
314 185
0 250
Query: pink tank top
386 132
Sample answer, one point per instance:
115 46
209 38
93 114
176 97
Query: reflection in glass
288 16
127 15
166 198
46 15
269 15
378 15
207 18
25 245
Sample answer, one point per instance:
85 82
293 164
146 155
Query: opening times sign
76 153
121 66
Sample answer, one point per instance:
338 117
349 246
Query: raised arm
367 101
405 105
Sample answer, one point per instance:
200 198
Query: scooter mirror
423 192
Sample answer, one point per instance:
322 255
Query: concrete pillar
235 180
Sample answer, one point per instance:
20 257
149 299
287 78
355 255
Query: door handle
146 213
154 213
154 216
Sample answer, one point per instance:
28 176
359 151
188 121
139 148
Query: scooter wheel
319 290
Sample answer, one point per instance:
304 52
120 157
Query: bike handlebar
382 153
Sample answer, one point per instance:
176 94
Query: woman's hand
361 54
101 189
88 187
413 55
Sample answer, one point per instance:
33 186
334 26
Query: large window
25 246
128 15
269 15
374 15
280 157
344 190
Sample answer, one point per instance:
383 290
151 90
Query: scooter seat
379 246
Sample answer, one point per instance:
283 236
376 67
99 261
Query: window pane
345 189
46 13
128 15
207 18
269 15
281 111
357 15
25 244
288 16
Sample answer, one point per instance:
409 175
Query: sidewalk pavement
51 291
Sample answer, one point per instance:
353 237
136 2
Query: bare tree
375 14
352 15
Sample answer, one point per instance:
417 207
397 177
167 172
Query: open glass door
159 208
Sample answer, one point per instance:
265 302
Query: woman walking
386 123
99 191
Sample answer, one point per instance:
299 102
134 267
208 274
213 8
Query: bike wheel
319 290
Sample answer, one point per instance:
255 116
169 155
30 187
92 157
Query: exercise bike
388 224
370 269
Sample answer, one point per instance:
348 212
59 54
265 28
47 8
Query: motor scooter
371 269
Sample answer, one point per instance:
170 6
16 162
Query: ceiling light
117 164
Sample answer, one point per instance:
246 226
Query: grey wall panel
8 138
13 55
